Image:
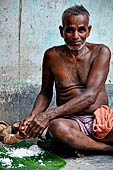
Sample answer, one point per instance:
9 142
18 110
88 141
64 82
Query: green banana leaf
50 161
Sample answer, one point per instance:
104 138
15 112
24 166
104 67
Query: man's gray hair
75 10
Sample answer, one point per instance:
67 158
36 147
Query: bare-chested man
79 70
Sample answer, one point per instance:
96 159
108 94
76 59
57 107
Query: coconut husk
10 139
15 127
5 132
3 125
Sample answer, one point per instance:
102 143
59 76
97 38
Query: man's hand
23 126
36 127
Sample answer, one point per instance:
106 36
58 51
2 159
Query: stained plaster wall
27 29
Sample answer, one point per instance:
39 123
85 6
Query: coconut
10 139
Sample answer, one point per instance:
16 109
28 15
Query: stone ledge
16 101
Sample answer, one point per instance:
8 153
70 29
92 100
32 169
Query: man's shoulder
52 54
54 50
98 47
100 51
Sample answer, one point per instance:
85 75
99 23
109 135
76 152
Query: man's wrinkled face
75 31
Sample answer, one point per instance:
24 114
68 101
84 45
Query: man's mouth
75 43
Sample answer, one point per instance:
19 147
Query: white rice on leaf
33 150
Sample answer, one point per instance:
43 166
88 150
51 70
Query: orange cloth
103 122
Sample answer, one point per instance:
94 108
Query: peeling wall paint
16 101
27 29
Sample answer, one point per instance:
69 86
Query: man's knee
57 124
63 131
58 127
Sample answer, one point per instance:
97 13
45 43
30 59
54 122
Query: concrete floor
92 162
98 162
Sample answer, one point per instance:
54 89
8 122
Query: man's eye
82 29
69 30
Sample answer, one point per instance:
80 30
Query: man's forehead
80 19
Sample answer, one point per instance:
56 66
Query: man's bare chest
69 72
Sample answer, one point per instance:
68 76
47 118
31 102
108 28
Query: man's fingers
32 130
22 126
24 123
38 133
29 128
35 134
23 135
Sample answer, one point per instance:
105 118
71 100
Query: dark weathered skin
70 76
79 71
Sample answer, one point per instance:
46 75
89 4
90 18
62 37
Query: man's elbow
92 98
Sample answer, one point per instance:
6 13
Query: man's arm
44 98
95 82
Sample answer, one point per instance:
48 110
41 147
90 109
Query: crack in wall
19 52
19 36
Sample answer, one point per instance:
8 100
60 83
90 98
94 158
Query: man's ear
89 30
61 31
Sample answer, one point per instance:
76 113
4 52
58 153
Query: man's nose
75 35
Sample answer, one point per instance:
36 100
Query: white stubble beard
75 48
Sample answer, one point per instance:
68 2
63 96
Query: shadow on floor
63 151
